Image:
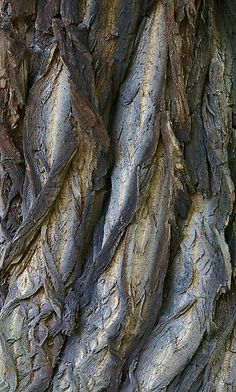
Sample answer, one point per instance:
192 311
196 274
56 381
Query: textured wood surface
117 206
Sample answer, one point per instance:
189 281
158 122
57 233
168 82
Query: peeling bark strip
117 206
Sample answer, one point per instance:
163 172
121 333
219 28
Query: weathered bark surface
117 149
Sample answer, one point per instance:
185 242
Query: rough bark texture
117 150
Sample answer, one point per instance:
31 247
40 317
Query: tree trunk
117 148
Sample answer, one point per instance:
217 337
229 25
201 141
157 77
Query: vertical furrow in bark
199 47
136 121
44 256
195 376
13 89
190 306
225 378
112 31
202 266
112 303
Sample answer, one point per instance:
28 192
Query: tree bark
117 150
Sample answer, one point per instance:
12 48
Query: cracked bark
117 151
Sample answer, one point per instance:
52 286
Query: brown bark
117 150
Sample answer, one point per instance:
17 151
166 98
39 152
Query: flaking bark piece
78 61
